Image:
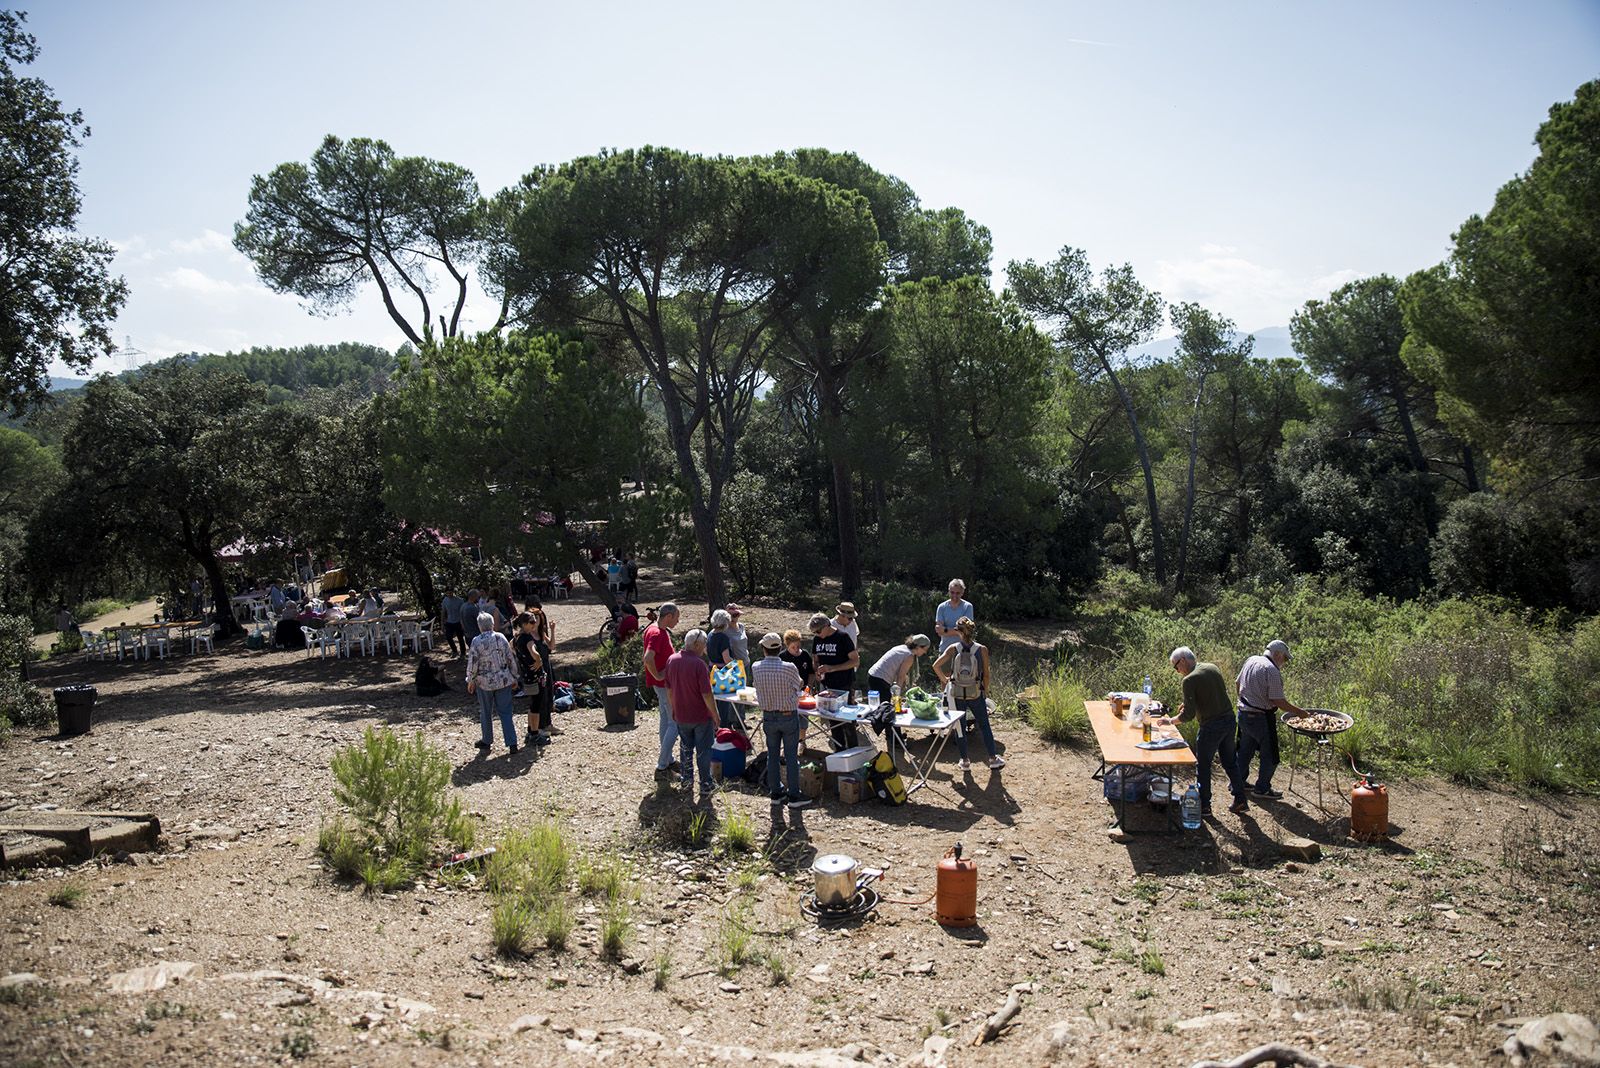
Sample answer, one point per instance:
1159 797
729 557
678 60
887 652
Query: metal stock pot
834 877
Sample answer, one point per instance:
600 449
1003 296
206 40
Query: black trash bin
617 694
74 709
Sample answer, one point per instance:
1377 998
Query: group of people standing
509 656
691 712
1235 733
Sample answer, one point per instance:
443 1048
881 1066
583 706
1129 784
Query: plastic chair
161 639
321 640
422 636
386 629
358 636
205 636
130 642
93 644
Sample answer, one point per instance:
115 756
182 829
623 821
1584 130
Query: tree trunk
1469 467
1158 553
1419 463
849 547
223 613
422 586
1188 498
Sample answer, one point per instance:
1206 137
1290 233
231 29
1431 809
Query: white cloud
195 281
1253 295
208 241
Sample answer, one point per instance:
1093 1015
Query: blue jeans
1216 739
1257 733
979 708
783 733
490 702
668 730
694 740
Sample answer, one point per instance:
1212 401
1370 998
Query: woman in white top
894 667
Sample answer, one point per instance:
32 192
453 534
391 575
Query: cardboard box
852 789
811 781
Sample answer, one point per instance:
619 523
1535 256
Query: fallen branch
1275 1053
995 1024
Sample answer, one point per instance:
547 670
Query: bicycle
608 629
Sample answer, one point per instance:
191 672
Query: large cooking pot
838 879
834 877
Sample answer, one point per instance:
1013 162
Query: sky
1249 156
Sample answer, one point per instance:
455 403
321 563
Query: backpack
755 772
966 672
883 778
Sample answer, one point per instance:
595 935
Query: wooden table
1119 747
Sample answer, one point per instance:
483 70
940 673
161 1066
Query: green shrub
555 920
20 702
738 832
616 928
99 606
342 848
386 876
620 658
532 863
395 792
1057 712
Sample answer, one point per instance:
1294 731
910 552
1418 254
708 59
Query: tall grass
1477 691
1057 712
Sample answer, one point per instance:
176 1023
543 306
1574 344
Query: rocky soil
234 944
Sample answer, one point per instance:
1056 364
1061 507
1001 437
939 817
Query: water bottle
1191 808
1147 686
894 696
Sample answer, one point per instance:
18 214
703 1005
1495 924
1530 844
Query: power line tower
128 354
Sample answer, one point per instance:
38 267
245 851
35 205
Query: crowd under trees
769 369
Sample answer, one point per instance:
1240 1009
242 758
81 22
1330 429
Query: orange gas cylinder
1369 810
957 904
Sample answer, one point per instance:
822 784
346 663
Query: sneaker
1240 805
1269 793
798 803
964 764
480 745
513 751
1205 812
541 739
997 762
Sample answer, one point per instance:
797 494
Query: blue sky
1247 155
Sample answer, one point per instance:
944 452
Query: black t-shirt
801 662
834 649
524 645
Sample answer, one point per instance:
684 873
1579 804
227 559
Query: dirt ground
1154 950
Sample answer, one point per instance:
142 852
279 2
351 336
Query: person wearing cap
836 658
949 613
1260 695
778 689
1205 700
964 667
844 618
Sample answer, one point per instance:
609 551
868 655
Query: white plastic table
940 728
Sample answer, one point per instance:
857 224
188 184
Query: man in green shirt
1205 699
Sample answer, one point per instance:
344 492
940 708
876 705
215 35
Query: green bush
20 702
99 606
396 810
1057 712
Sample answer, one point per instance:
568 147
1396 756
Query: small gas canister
1369 810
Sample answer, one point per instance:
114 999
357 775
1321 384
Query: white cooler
851 759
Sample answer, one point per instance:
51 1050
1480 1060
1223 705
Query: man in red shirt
657 651
693 709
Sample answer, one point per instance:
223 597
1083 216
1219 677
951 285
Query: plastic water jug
1191 808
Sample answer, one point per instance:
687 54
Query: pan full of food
1318 722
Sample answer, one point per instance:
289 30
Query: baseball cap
772 641
1278 645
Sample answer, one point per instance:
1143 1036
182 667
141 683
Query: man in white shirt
1260 695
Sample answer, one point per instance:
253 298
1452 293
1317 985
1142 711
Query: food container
851 759
832 700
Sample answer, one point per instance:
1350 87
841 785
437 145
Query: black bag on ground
756 770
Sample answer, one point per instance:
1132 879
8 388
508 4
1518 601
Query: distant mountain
58 385
1272 342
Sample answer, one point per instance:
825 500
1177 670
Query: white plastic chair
321 640
205 636
422 635
130 642
386 629
93 644
358 636
160 639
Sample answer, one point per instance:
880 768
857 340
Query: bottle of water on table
1147 686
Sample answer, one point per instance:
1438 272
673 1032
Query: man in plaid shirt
778 692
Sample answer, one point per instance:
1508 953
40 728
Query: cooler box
730 757
851 759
